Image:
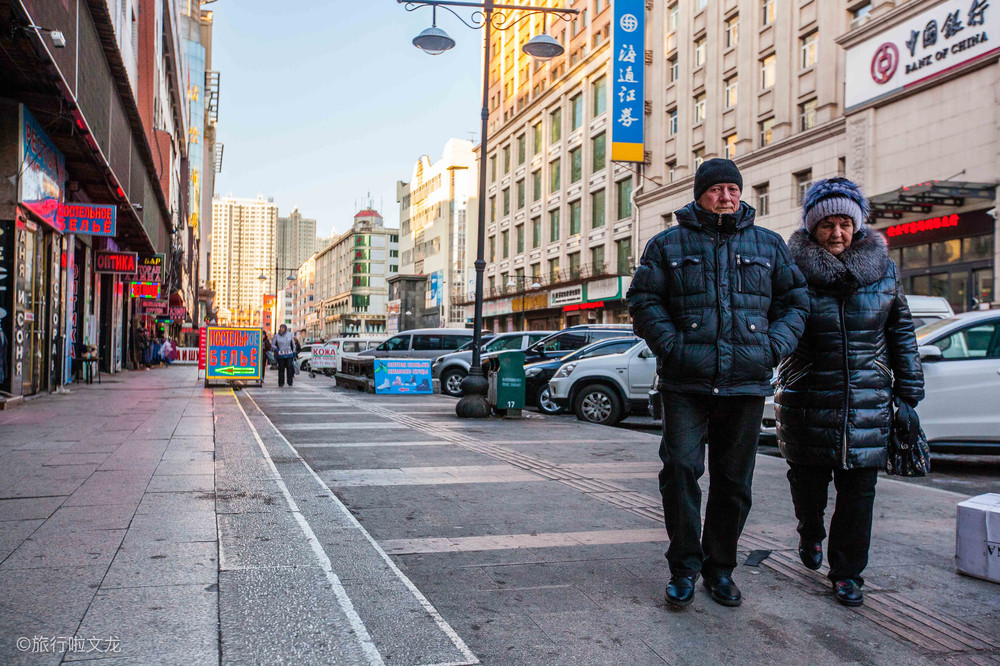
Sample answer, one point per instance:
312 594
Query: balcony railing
548 279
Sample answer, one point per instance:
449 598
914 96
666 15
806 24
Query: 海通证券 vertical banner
627 95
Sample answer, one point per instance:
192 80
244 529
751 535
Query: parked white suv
606 389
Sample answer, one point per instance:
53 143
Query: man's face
721 198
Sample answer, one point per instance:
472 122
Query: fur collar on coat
861 264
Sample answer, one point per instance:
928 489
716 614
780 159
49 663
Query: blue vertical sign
627 65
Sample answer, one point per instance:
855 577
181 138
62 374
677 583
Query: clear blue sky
323 101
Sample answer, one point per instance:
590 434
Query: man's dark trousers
731 426
285 369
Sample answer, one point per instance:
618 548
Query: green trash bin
507 381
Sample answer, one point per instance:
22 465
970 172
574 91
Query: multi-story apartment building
303 318
243 236
763 82
296 240
437 230
351 276
559 214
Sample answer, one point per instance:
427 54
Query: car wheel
544 402
598 404
451 382
305 366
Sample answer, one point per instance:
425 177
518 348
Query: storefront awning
923 197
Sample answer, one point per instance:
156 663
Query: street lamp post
523 280
263 277
434 41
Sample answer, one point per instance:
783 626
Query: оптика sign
124 263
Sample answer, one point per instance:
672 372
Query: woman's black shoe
680 591
811 554
723 589
848 593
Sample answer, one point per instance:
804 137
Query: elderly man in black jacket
720 302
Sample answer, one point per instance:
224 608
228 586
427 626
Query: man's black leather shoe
680 591
724 590
811 554
849 593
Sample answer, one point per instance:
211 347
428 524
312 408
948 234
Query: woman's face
834 233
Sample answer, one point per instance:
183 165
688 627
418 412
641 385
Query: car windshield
602 348
503 343
928 329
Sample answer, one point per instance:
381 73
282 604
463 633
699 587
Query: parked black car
537 375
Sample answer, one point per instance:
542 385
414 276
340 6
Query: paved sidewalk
159 522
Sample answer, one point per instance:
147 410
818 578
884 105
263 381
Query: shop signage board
202 342
144 289
393 308
150 268
566 296
88 219
627 93
42 172
323 356
938 228
157 308
920 48
123 263
405 376
178 313
187 355
7 288
233 353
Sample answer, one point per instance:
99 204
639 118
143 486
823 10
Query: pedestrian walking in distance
720 302
284 350
835 393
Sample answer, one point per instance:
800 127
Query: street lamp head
261 277
536 285
433 41
408 313
543 47
511 283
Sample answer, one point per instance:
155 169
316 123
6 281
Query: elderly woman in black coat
835 392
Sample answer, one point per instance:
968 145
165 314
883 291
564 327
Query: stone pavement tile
255 540
51 482
163 564
512 638
13 533
177 452
193 426
43 602
177 504
29 508
172 467
202 483
120 486
311 628
91 517
352 557
266 499
151 528
174 624
203 442
76 458
140 454
54 548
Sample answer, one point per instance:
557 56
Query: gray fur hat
834 196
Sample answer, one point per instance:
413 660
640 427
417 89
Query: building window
554 270
493 209
860 15
575 165
536 232
732 31
672 122
521 149
536 138
809 46
554 225
807 114
700 5
536 185
506 159
699 52
576 112
555 126
505 243
574 265
623 249
598 147
699 158
767 71
520 194
673 17
599 90
699 108
803 181
493 248
731 146
769 11
623 198
554 176
597 260
575 217
505 195
519 231
671 171
732 92
597 211
675 71
762 196
766 132
493 168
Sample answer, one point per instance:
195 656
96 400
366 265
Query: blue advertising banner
42 171
437 288
89 219
232 353
628 51
403 376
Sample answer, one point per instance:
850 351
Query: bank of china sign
922 47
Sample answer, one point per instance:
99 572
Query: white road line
367 645
352 445
456 640
345 426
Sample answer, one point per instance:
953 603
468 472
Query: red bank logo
885 62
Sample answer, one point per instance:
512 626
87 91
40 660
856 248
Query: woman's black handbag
909 454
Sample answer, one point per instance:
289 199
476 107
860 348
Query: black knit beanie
713 172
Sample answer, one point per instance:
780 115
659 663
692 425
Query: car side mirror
646 353
930 353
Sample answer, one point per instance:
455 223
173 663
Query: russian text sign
88 219
323 356
403 376
150 268
233 353
627 93
115 262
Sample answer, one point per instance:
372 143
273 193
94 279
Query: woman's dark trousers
851 525
285 370
731 427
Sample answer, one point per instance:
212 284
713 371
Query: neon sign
920 226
